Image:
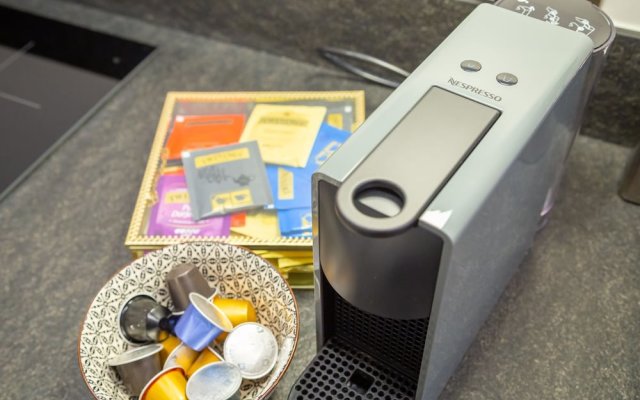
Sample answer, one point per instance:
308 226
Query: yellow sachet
285 134
287 253
293 262
301 269
260 224
301 277
335 120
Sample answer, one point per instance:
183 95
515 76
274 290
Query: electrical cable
341 57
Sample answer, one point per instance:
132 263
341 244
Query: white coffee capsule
253 348
218 381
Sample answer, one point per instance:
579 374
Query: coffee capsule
238 311
218 381
182 356
168 384
136 366
253 348
183 280
207 356
201 323
168 345
142 320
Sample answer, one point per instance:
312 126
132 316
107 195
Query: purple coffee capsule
201 323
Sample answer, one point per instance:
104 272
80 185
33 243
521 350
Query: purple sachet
171 215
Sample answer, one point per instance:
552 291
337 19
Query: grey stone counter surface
567 327
402 32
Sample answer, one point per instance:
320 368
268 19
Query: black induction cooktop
52 77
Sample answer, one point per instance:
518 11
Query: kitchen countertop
415 28
567 326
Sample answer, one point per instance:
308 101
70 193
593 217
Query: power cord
341 57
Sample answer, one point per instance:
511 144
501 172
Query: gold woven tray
138 242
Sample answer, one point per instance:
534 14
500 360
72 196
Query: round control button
507 79
471 65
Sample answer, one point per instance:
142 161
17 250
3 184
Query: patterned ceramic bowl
234 271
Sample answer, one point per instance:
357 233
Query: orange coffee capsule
237 310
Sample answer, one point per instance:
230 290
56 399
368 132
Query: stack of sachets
172 214
291 186
244 173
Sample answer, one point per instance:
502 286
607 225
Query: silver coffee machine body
579 16
422 217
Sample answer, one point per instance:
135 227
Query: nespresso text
474 89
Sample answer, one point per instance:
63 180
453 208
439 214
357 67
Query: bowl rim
271 388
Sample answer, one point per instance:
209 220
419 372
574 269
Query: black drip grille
397 343
337 371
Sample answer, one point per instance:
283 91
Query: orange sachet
238 219
192 132
173 170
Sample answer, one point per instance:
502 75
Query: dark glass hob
52 76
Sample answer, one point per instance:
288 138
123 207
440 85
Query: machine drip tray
340 372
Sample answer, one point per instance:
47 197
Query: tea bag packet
288 262
190 107
171 215
291 187
340 113
238 219
226 179
259 224
173 170
329 140
305 234
295 222
285 134
192 132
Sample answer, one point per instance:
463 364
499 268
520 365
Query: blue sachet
295 221
290 186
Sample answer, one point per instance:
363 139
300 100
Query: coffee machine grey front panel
418 225
379 204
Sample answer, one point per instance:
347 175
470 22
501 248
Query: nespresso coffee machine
422 217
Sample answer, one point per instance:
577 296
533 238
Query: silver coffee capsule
219 381
253 348
136 366
183 280
142 320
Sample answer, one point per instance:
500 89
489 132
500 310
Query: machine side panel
479 260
